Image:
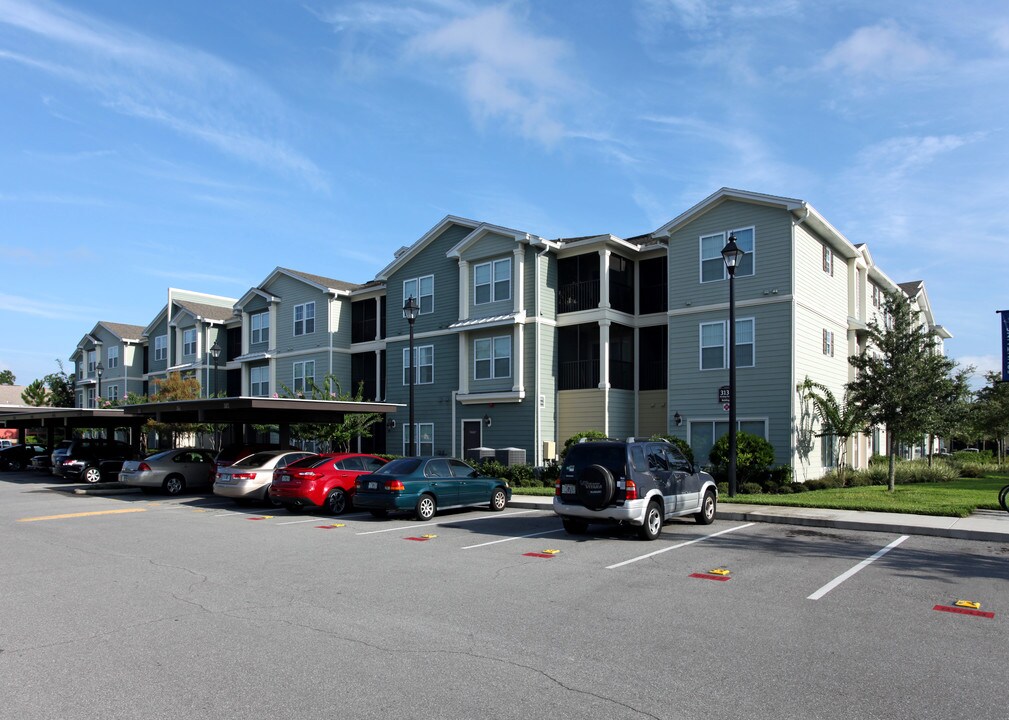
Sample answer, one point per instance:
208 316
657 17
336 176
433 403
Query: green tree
991 412
60 386
337 435
950 406
839 420
899 375
35 394
754 456
6 377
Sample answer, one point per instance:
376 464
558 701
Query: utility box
510 456
549 450
479 454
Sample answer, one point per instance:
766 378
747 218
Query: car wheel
707 514
272 502
426 507
652 526
379 513
498 499
13 465
174 485
575 527
336 502
92 475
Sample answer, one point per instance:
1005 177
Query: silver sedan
250 477
172 471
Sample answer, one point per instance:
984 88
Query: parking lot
140 606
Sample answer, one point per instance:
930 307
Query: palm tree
838 420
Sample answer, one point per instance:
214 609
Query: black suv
634 482
93 460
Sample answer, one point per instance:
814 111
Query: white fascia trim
368 292
722 307
157 318
723 194
251 295
482 231
423 242
368 346
300 278
511 396
254 357
602 240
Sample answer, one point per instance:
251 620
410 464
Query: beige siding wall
579 410
651 413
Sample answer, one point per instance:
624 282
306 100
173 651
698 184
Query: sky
200 145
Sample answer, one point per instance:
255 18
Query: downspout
538 441
455 394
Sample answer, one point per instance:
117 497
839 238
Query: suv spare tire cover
595 487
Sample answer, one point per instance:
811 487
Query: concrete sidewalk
984 525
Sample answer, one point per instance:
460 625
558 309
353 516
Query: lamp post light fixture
731 254
99 369
215 353
410 310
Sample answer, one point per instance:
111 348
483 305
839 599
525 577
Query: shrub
679 442
782 474
753 456
750 488
970 470
588 434
816 485
919 471
798 487
723 488
785 489
857 479
984 456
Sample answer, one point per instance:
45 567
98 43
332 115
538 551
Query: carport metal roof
46 417
258 410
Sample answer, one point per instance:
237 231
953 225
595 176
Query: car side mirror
474 473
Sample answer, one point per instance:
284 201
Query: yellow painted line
82 514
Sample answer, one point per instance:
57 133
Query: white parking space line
447 522
675 547
517 537
865 563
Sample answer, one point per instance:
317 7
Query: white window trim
828 343
263 331
90 360
828 260
112 392
300 372
493 357
407 363
725 272
160 347
725 344
725 419
112 357
252 383
304 319
416 436
492 265
418 296
186 344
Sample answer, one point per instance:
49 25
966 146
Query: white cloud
882 50
889 161
41 308
505 69
187 90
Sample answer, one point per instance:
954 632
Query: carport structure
234 411
51 419
238 411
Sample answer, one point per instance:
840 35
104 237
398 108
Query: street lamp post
731 254
215 353
410 310
99 369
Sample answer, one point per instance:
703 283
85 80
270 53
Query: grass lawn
550 491
957 499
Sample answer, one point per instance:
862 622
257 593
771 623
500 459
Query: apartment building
108 363
522 341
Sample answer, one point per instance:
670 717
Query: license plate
372 485
567 489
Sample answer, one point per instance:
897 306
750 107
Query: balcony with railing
574 296
578 375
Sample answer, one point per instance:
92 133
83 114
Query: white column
245 333
273 325
463 289
518 294
464 363
604 278
604 353
379 319
379 396
245 379
518 357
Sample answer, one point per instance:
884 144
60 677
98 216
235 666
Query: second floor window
712 264
259 381
714 345
304 376
161 347
424 356
91 363
828 343
112 358
492 281
492 358
828 261
112 393
189 341
304 319
423 290
260 323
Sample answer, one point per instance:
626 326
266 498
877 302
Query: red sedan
321 481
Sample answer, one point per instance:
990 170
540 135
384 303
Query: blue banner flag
1005 344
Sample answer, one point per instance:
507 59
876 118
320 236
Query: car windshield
402 466
257 460
312 461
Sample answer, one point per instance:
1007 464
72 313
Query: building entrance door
470 436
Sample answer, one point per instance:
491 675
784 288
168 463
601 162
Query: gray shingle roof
123 331
210 312
322 280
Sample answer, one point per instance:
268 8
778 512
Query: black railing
578 375
574 296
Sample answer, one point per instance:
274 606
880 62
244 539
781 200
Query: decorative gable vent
399 253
